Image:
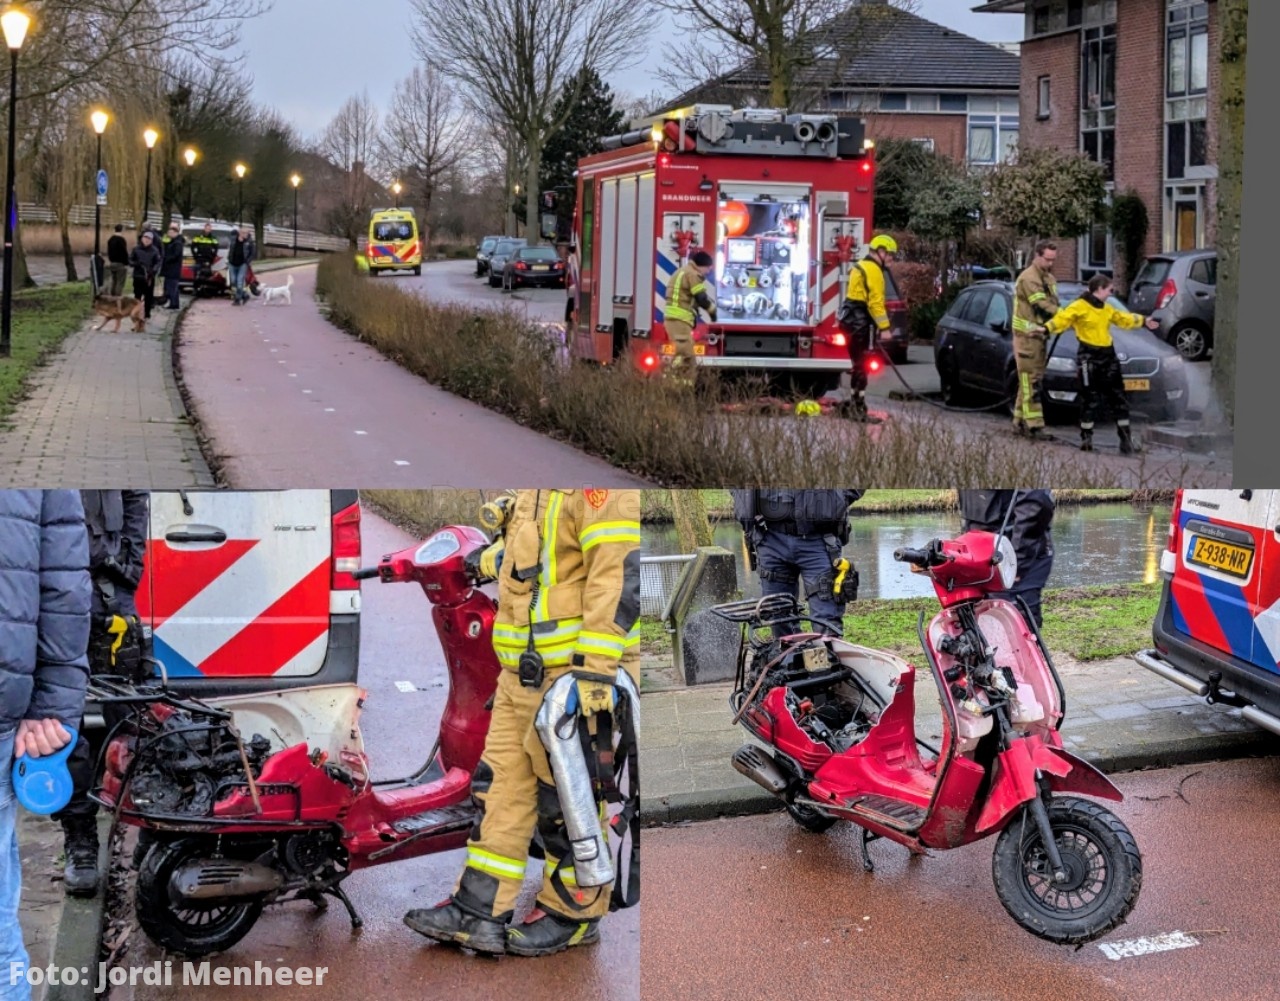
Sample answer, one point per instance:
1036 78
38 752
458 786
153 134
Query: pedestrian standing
44 629
116 528
571 266
1035 301
687 292
146 260
864 316
794 534
1097 367
171 265
238 259
1026 516
118 260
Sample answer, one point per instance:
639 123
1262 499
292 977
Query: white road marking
293 375
362 432
406 686
329 410
274 350
402 462
1146 945
306 391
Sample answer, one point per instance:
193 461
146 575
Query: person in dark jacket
145 260
239 257
118 260
1029 527
116 523
171 265
796 534
44 630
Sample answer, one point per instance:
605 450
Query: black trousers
1101 384
855 321
144 290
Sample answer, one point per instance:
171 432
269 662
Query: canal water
1094 544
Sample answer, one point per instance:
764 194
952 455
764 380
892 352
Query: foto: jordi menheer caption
169 974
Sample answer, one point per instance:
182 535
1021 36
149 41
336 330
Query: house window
992 138
1186 90
1042 97
925 144
893 102
1045 17
922 102
953 102
1098 96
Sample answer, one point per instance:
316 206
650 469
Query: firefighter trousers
681 335
1101 383
515 791
1029 356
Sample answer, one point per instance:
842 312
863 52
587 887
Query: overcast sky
308 56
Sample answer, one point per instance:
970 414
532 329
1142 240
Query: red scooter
235 824
840 720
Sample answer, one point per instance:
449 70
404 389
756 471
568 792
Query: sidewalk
1119 717
105 410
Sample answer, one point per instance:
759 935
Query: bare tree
424 136
787 51
518 58
349 142
60 171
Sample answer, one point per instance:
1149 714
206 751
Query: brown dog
118 308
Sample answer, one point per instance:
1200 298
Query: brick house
908 77
1132 84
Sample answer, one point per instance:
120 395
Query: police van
246 591
1217 630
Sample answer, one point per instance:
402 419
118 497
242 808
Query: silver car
1179 289
503 249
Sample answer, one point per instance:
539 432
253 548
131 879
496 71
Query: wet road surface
286 398
754 908
386 960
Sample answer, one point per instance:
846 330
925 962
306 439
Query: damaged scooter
839 722
233 823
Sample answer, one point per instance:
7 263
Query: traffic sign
102 187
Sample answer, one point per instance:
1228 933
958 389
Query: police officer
863 314
568 600
1029 527
1035 301
801 533
687 292
204 248
116 521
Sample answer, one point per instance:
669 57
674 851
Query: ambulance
393 243
1217 630
782 202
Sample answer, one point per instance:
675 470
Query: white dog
278 293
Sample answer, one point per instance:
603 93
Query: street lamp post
149 137
514 216
14 23
190 156
295 180
396 188
241 170
99 120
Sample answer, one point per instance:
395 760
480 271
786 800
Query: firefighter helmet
884 242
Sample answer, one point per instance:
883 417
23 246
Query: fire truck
783 202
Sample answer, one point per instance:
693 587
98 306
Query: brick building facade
1133 84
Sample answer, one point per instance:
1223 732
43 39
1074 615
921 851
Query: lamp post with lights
189 156
241 170
15 23
150 136
295 180
99 121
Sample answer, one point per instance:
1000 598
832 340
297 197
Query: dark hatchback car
502 250
973 352
1180 290
533 266
483 253
899 323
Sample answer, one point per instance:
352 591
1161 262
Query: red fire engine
783 202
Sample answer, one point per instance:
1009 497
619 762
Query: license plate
670 349
1225 557
1137 385
542 267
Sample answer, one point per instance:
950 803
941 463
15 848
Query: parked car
1179 289
503 249
973 352
533 266
482 254
1214 630
215 282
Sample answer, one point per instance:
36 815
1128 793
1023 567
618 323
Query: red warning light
839 340
649 361
866 166
873 365
664 160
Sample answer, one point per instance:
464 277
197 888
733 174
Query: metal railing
658 578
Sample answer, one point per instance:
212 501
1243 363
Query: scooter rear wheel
810 819
1103 865
190 931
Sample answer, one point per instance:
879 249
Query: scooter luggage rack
768 611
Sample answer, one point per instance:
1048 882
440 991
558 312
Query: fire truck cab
782 202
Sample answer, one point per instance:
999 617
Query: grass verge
1083 623
422 512
669 434
42 319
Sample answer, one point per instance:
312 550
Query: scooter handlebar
365 573
916 557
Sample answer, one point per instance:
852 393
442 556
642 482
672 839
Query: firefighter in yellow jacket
863 315
687 292
1097 367
568 601
1035 300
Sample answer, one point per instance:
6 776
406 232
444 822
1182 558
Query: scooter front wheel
1103 873
190 931
811 819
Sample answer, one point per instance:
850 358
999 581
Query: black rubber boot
543 934
80 876
447 922
1086 441
1127 447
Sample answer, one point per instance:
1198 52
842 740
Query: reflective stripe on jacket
866 285
1035 300
583 601
687 290
1092 321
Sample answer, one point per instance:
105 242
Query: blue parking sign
102 183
